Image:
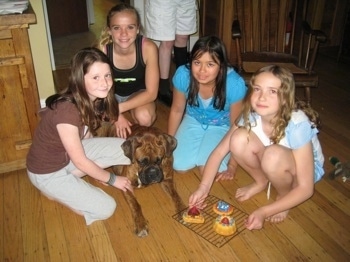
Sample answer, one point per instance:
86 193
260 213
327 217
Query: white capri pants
75 192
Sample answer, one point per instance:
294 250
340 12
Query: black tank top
129 81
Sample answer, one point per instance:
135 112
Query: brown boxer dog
151 153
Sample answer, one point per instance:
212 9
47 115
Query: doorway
64 46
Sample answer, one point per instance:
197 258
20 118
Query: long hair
216 48
286 97
105 37
92 112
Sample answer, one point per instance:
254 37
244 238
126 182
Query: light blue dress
203 127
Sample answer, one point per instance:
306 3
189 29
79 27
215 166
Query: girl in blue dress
207 98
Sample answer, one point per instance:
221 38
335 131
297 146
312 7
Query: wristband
112 179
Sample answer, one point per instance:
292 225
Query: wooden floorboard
34 228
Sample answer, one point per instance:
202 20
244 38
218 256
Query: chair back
267 25
266 32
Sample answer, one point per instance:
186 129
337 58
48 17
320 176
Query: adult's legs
180 50
165 51
170 22
180 58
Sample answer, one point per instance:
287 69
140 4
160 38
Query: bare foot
247 192
278 218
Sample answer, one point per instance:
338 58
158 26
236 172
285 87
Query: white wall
40 52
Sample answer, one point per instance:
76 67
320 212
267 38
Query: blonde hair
105 37
286 97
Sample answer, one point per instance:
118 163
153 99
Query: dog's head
151 153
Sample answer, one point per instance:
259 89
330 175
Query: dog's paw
141 226
142 233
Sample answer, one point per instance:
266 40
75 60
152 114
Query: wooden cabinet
19 100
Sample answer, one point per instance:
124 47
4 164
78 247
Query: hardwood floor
34 228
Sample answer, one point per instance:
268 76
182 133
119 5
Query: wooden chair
267 31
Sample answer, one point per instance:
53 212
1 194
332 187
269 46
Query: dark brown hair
216 48
92 112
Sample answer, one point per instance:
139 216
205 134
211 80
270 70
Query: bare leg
247 151
278 163
165 49
164 92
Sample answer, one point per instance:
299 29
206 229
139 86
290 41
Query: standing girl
135 67
63 149
276 143
208 96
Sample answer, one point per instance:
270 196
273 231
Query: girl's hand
123 183
122 127
256 220
198 197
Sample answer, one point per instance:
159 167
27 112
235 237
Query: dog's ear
171 144
127 148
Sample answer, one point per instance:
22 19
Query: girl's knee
238 141
111 206
273 159
182 166
144 118
180 171
104 210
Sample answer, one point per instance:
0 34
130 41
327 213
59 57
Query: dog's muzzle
151 175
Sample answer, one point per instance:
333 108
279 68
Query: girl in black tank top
129 81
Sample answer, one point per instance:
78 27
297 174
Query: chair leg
308 95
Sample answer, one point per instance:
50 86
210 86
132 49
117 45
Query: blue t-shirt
207 114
